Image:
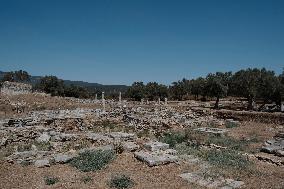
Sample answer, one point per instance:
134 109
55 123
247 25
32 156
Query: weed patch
173 138
51 180
121 182
43 146
92 160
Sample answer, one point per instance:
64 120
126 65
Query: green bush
230 124
226 141
51 180
189 149
44 146
24 147
226 158
174 138
92 160
121 182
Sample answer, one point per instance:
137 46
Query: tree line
252 84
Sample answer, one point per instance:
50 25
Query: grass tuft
121 182
50 180
174 138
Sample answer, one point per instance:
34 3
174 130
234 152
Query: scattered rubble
216 131
275 145
198 179
15 88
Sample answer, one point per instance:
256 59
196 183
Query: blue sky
121 41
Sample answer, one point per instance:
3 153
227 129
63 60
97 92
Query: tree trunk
217 103
250 103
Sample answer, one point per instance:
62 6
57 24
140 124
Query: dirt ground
17 176
264 175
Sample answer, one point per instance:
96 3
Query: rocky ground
51 142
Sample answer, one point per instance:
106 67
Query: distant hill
110 89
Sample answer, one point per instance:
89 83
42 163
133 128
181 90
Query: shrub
226 141
190 149
231 124
51 180
44 146
226 158
121 182
173 138
92 160
24 147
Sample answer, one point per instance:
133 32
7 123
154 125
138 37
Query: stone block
155 158
154 146
62 158
42 163
122 136
130 146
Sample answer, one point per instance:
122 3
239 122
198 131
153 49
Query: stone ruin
275 146
14 88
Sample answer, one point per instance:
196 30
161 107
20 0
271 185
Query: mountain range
95 86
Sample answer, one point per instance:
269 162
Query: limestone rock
130 146
42 163
154 146
122 136
43 138
62 158
155 158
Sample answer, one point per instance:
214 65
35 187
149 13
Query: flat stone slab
62 158
96 137
130 146
274 146
42 163
122 136
96 148
210 182
155 158
211 130
155 146
44 137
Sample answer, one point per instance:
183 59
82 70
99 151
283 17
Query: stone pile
275 146
215 131
199 178
15 88
56 154
221 183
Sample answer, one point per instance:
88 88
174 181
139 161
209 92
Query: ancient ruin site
65 142
141 94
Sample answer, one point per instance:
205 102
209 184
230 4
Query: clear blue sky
119 41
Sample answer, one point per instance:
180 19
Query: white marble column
104 102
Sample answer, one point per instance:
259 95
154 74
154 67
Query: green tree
197 87
76 91
179 89
136 91
245 83
51 85
216 86
153 91
21 76
9 76
269 87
